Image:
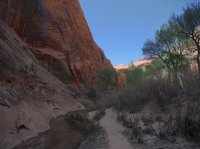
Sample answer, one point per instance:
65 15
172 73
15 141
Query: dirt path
114 129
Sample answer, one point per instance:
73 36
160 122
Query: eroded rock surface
30 96
58 35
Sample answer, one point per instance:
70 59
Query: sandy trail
114 131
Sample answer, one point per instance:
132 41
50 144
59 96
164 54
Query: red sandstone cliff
58 35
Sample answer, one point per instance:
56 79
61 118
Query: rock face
45 38
30 96
123 69
58 35
139 63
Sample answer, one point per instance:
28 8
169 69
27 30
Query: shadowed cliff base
63 134
29 95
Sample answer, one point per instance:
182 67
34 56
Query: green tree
175 47
170 48
155 70
188 24
90 90
135 76
106 79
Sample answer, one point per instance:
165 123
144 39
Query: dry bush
189 121
81 117
136 97
134 131
184 122
99 114
165 95
191 87
160 90
107 101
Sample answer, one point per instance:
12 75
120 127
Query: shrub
133 132
99 114
185 122
65 75
106 80
90 91
189 122
135 76
81 117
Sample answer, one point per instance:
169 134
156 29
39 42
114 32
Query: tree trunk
176 78
198 60
198 54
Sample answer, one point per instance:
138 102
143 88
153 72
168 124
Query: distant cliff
123 69
58 35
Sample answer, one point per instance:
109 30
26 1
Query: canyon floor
110 134
114 130
64 134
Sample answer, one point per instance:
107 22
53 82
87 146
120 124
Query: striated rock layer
30 96
58 35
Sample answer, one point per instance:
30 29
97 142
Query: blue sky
120 27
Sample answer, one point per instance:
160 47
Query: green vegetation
135 76
90 91
168 85
187 25
65 75
106 80
170 49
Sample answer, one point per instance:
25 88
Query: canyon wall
30 96
57 33
38 40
